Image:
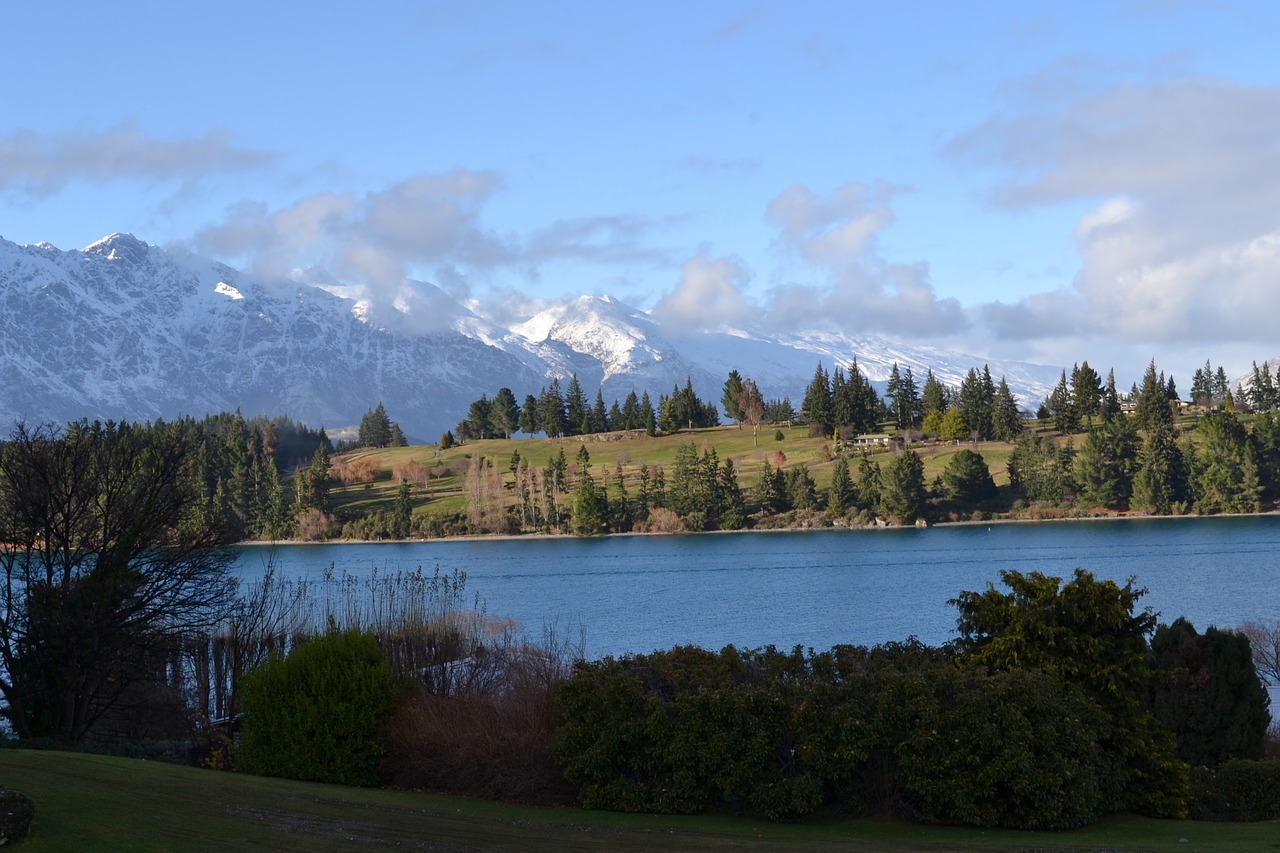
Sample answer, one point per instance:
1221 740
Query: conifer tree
840 496
730 400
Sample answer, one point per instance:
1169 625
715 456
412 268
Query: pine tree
1062 408
402 516
648 420
1086 392
1151 409
575 407
530 420
551 410
1109 407
397 436
934 396
504 414
817 403
375 428
1006 420
1161 480
631 412
840 496
733 514
729 401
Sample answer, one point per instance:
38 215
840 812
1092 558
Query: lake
819 588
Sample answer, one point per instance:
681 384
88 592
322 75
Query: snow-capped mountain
126 330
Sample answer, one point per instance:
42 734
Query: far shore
800 528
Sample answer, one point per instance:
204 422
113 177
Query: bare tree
752 405
1264 641
109 559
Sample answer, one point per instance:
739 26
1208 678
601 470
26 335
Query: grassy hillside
86 802
443 493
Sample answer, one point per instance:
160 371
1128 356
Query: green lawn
87 802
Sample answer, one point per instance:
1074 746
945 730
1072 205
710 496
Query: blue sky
1052 182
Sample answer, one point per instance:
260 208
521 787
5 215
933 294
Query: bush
318 715
1237 790
682 731
16 813
1015 749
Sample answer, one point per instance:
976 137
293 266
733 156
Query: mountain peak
119 247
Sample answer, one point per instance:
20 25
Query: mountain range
127 330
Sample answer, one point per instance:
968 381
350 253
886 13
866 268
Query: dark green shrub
684 730
1012 749
318 714
1236 790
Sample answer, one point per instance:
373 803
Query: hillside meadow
444 491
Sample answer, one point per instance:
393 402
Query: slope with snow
124 329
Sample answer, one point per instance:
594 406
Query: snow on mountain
123 330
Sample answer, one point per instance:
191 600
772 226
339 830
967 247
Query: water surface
820 588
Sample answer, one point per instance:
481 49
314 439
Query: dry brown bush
363 469
414 472
315 524
663 520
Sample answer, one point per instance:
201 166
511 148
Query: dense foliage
318 713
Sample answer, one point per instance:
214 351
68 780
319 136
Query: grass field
444 492
89 802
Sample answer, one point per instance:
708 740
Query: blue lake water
640 593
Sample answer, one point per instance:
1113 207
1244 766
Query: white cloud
857 288
1181 245
41 164
709 295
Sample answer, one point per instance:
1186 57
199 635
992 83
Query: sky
1047 182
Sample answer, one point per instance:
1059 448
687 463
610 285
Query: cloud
376 239
857 288
429 225
41 164
709 295
1182 239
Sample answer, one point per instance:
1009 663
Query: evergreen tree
968 478
551 411
1110 405
1210 697
975 402
1107 463
729 401
631 418
1161 481
934 397
733 514
648 420
1062 408
1151 408
530 416
504 414
1040 470
402 516
902 487
770 490
817 403
904 400
802 492
397 436
840 496
1086 392
868 487
590 508
1006 420
575 407
375 428
1224 466
599 419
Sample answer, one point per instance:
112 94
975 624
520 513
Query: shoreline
497 537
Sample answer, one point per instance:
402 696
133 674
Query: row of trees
1224 467
556 414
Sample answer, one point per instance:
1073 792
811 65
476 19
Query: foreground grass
88 802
